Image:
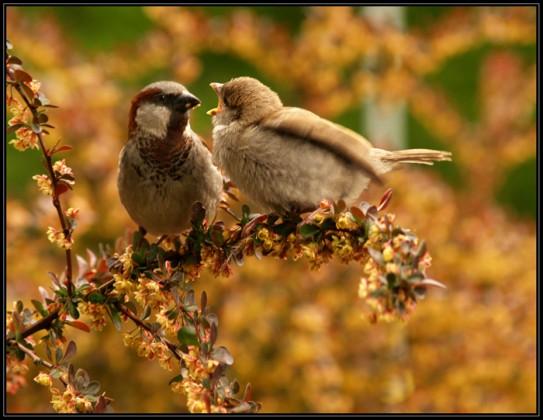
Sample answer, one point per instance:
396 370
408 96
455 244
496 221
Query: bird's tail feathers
389 159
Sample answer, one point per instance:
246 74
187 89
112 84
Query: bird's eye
226 101
162 97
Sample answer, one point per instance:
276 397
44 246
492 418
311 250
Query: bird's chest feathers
165 157
229 148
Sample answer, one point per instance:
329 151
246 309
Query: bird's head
161 107
244 99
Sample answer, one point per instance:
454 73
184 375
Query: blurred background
452 78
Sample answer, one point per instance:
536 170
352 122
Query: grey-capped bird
287 159
164 168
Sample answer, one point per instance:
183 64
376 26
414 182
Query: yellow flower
263 234
61 168
345 221
43 379
44 184
57 237
72 213
25 139
388 253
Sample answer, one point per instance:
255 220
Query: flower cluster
16 371
58 238
147 346
96 312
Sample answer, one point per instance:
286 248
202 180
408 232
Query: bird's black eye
226 101
162 97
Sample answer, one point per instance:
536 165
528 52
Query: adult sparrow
164 168
287 158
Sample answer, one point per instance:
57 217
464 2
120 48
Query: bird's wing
306 125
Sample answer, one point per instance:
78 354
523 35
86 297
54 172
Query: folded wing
306 125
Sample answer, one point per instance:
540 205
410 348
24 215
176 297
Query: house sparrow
289 159
164 168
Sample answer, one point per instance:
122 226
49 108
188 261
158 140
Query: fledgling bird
164 168
289 159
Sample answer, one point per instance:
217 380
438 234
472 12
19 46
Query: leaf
56 373
248 394
189 302
212 319
80 325
213 334
115 317
146 312
54 278
63 148
22 76
245 211
385 200
222 355
101 405
14 60
43 293
82 379
36 128
72 309
175 379
93 388
71 349
62 187
187 335
58 355
432 282
96 297
203 301
309 230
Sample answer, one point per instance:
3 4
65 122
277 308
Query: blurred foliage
468 77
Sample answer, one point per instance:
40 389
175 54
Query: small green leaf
187 335
245 211
115 317
96 297
39 307
175 379
146 312
72 309
309 230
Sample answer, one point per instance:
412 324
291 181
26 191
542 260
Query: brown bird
164 168
287 158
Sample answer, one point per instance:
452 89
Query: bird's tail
389 159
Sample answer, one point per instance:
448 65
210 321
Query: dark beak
187 101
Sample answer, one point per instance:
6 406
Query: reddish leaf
80 325
14 60
63 148
61 188
355 211
385 200
22 76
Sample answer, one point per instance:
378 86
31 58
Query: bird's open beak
217 87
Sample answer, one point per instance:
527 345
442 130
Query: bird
288 159
164 168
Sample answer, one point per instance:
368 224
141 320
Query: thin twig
56 201
172 347
38 359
